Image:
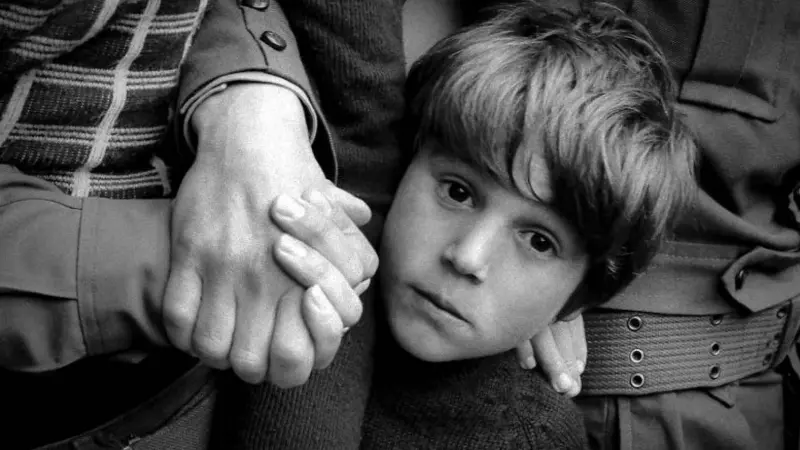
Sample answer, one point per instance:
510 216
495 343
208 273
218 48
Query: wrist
251 108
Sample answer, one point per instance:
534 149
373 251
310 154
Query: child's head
548 163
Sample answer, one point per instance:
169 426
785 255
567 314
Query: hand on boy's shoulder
560 352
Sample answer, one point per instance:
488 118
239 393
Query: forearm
78 277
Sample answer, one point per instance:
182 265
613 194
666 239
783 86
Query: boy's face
470 268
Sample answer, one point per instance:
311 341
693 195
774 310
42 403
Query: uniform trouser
759 412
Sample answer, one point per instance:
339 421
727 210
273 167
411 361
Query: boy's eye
455 191
541 243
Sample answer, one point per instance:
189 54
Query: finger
255 319
308 224
216 318
291 355
353 207
549 359
369 258
324 325
525 355
181 304
562 335
579 343
308 267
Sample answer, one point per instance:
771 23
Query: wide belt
145 419
636 353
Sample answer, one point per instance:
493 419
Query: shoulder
546 419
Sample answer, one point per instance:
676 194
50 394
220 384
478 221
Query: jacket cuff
236 38
193 102
123 264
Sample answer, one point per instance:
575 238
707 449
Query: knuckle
288 370
316 225
287 355
211 349
318 268
250 366
177 320
190 243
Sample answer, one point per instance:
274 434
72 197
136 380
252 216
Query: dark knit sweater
487 403
353 52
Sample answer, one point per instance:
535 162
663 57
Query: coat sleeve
78 276
250 41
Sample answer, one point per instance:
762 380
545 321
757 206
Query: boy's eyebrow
541 193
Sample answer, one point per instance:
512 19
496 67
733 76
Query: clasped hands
267 259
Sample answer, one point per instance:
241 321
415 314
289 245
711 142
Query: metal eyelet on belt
781 313
635 323
716 319
637 380
715 348
715 372
637 355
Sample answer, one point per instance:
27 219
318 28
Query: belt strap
635 353
145 418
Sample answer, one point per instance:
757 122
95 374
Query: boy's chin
421 345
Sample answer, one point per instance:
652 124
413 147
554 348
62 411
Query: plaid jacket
87 89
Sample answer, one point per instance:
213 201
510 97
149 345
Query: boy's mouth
439 302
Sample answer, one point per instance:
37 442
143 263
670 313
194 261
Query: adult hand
222 294
321 239
560 351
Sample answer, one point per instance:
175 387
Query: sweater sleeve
78 276
353 51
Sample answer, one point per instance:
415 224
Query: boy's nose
469 255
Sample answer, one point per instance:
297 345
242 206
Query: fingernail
288 207
317 199
563 383
291 246
529 363
317 299
581 366
363 286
